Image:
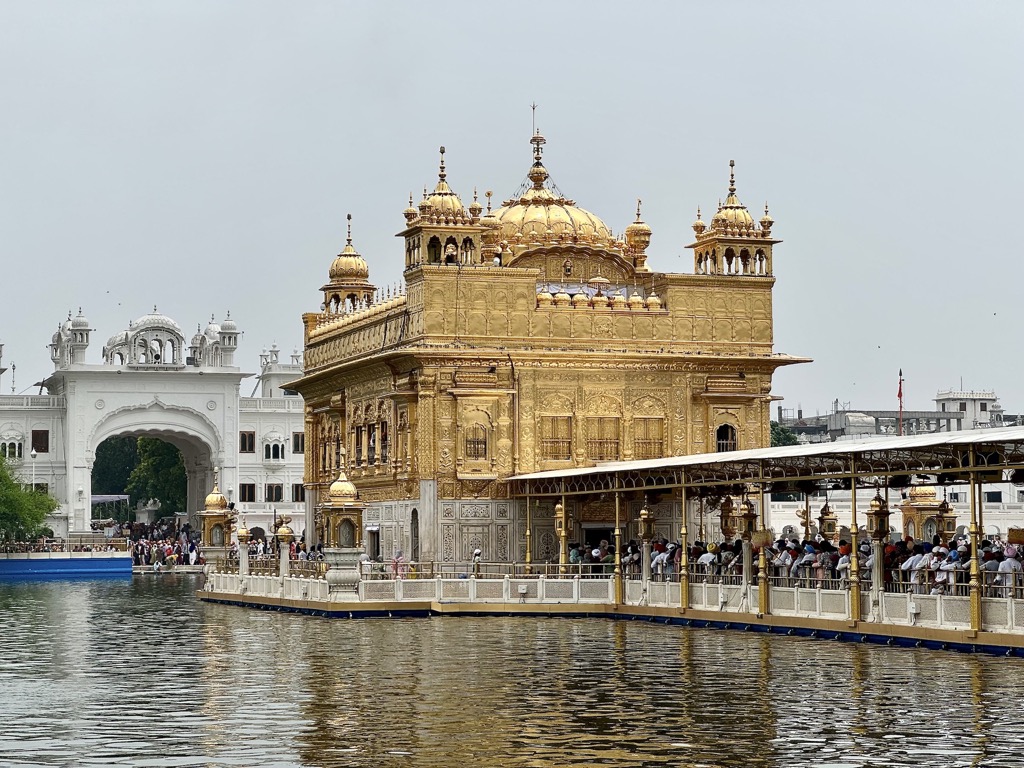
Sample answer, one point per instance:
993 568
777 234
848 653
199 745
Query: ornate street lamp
878 517
747 519
945 521
562 532
725 518
646 525
828 522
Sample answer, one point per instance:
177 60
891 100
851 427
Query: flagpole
899 394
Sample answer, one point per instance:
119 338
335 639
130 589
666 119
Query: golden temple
525 338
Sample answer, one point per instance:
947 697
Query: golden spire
732 177
488 194
348 238
441 175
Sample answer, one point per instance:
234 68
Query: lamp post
243 549
560 529
827 522
33 455
945 519
747 519
878 527
725 518
617 572
529 559
284 538
646 534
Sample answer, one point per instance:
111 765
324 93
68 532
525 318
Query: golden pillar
855 612
684 556
619 596
563 542
975 583
529 521
762 557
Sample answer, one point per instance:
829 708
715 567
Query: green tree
115 460
159 474
22 511
782 435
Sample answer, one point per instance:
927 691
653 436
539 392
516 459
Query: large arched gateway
151 382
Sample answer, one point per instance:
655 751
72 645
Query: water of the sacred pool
138 672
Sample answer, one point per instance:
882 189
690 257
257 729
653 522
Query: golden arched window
476 443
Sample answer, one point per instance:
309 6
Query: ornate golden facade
525 338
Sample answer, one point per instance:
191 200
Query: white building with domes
148 382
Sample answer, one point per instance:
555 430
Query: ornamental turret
440 230
349 283
733 244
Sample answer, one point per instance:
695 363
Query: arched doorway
188 431
414 535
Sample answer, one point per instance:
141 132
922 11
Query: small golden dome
599 300
342 490
699 226
561 298
243 532
767 221
443 202
410 213
638 234
732 214
580 300
349 264
216 501
544 298
475 207
636 300
618 301
653 301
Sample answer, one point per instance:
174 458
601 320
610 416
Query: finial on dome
410 199
638 201
538 142
348 237
441 175
154 309
732 177
488 195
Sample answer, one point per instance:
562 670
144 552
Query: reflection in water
140 673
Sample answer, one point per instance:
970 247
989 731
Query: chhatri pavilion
526 337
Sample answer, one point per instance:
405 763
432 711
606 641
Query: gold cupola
541 215
215 500
732 214
342 490
349 264
638 237
348 278
443 203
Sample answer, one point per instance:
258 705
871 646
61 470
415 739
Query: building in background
150 382
523 338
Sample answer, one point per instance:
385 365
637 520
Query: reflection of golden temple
216 518
924 515
525 338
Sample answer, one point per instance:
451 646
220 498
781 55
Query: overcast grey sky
201 156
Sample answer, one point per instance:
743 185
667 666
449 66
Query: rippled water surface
139 673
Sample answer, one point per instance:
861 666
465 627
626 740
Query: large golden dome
540 215
349 264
